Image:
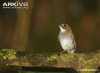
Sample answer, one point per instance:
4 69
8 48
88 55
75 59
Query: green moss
51 57
8 54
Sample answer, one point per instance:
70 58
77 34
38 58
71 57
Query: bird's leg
60 53
63 52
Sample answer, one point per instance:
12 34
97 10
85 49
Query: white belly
66 43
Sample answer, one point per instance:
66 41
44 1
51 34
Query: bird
66 38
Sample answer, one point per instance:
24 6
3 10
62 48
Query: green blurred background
36 28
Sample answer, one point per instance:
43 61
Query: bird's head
64 27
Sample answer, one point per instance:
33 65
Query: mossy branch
76 61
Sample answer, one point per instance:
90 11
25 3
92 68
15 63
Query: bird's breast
66 41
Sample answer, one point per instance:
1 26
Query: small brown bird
66 39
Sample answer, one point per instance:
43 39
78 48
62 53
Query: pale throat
62 30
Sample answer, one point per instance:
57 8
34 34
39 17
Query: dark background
36 28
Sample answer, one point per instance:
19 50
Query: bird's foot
62 52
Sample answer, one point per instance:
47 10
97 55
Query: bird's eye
64 25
